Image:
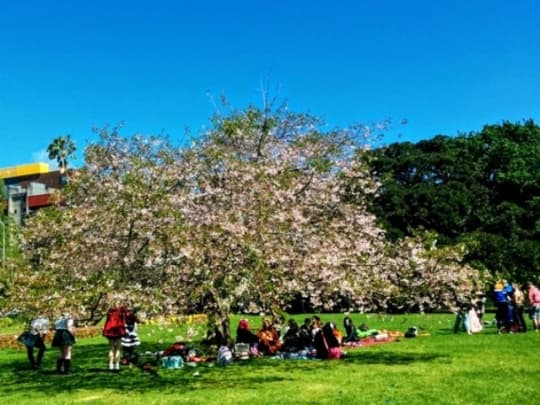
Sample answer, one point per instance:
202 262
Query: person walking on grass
64 339
114 330
534 299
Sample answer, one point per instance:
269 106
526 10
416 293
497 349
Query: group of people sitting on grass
313 339
509 301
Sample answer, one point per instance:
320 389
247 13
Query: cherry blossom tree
258 211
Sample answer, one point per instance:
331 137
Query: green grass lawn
441 368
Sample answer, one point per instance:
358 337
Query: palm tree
62 148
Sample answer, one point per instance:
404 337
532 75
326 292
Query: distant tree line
481 188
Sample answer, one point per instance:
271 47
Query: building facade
28 187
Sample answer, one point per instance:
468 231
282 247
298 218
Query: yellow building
24 170
28 187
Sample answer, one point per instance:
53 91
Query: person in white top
33 338
64 339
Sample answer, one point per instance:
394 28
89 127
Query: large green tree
482 188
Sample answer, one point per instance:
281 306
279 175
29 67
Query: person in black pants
518 302
33 338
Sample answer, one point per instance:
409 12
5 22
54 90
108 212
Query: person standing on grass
64 339
518 301
502 302
534 299
114 330
480 304
131 339
33 338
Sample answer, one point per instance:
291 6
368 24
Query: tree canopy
480 188
257 212
61 149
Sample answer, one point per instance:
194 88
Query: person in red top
114 330
534 299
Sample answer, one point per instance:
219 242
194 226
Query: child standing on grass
64 339
131 339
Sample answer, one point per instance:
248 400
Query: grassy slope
440 368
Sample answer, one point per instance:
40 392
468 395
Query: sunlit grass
439 368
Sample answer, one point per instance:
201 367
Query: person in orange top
269 342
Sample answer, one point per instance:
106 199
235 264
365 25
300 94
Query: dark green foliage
482 188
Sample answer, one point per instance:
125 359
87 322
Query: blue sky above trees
66 66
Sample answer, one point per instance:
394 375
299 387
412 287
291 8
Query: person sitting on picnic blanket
365 331
350 330
306 335
326 342
269 342
292 341
244 334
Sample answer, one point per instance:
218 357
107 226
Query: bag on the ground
241 351
411 332
225 356
172 362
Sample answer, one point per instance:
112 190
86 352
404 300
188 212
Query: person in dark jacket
244 334
326 342
350 330
292 341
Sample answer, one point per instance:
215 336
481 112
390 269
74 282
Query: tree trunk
219 323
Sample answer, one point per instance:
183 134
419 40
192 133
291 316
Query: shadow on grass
90 372
388 358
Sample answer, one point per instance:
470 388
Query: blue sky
446 67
